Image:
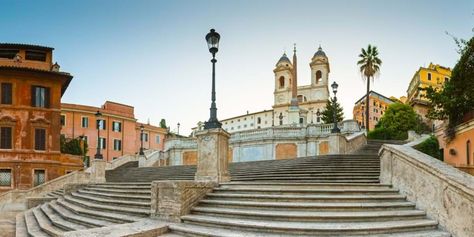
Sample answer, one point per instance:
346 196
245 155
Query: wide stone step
59 221
117 196
99 214
45 224
119 187
379 227
307 198
121 191
32 225
286 185
305 216
341 179
123 203
126 211
308 206
83 219
316 174
283 190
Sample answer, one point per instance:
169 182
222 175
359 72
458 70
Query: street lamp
98 121
318 116
178 127
142 128
334 90
212 39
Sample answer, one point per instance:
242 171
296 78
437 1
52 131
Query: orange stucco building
119 130
459 151
377 106
31 87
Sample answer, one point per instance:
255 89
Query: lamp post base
336 130
212 124
141 153
98 156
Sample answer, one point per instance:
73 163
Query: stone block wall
172 199
445 193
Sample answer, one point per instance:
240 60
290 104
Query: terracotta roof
24 46
65 75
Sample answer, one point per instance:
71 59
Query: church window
259 120
319 74
282 82
429 76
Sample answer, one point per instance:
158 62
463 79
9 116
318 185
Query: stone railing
120 161
20 196
182 143
342 144
445 193
150 159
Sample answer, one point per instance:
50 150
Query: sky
153 55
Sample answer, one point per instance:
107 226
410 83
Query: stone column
212 152
98 171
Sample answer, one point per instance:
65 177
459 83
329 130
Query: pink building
119 130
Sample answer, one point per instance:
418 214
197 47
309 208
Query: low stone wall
20 196
172 199
341 144
445 193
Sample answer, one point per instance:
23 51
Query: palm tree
369 66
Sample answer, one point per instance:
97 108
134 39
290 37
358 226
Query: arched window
282 82
468 152
281 118
259 120
319 74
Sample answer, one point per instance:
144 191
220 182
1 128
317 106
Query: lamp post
178 127
318 116
142 128
334 90
98 121
212 39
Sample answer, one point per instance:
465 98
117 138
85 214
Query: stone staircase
338 195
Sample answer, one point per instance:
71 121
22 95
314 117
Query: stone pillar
212 152
98 171
337 144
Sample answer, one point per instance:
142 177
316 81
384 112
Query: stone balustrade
279 142
446 193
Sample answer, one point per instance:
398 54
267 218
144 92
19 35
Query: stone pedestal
98 171
337 144
293 115
212 155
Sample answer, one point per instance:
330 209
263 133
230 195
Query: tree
397 120
72 146
328 114
369 64
163 123
456 98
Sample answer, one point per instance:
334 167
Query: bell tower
319 68
283 80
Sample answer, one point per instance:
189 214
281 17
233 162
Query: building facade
311 98
433 76
31 87
119 130
377 106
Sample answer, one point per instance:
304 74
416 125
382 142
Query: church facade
293 104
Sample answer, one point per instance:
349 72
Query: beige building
311 98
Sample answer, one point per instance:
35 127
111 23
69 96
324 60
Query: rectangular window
35 55
63 120
85 122
39 177
157 139
8 53
145 137
116 126
6 93
102 143
5 177
40 97
101 124
117 145
5 138
40 139
429 76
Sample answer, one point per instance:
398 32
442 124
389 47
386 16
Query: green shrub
430 147
72 146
